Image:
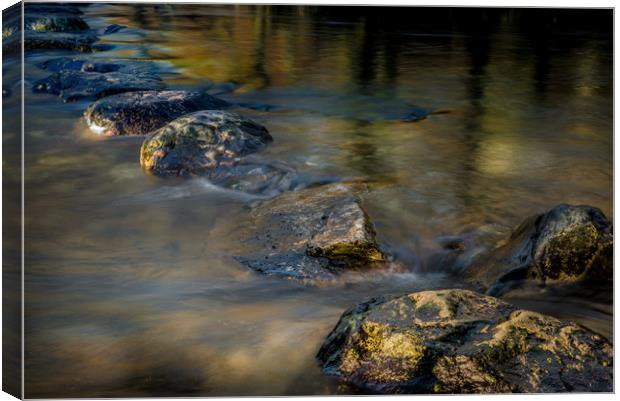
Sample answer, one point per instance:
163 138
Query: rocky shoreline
311 230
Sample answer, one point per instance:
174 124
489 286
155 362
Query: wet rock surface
45 40
54 22
309 235
258 176
218 145
566 244
74 85
47 18
139 113
48 26
201 142
53 8
458 341
79 64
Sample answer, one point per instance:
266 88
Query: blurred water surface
128 293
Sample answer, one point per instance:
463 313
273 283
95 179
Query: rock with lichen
458 341
200 142
75 85
309 235
219 146
140 113
567 244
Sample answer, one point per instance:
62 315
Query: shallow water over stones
73 85
132 289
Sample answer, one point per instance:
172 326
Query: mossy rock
458 341
566 244
309 235
142 112
201 142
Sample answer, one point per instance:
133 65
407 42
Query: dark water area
129 290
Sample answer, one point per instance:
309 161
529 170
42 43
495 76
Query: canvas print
207 200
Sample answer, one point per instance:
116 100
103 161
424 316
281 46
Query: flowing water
128 291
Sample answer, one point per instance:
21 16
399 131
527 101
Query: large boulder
458 341
140 113
74 85
567 244
308 235
199 143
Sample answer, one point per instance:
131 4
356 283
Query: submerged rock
568 243
54 22
74 85
309 235
52 8
257 176
82 42
349 106
45 18
201 142
110 29
458 341
79 64
139 113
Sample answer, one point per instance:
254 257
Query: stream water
129 293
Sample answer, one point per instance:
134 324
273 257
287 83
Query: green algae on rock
200 142
568 243
309 235
458 341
